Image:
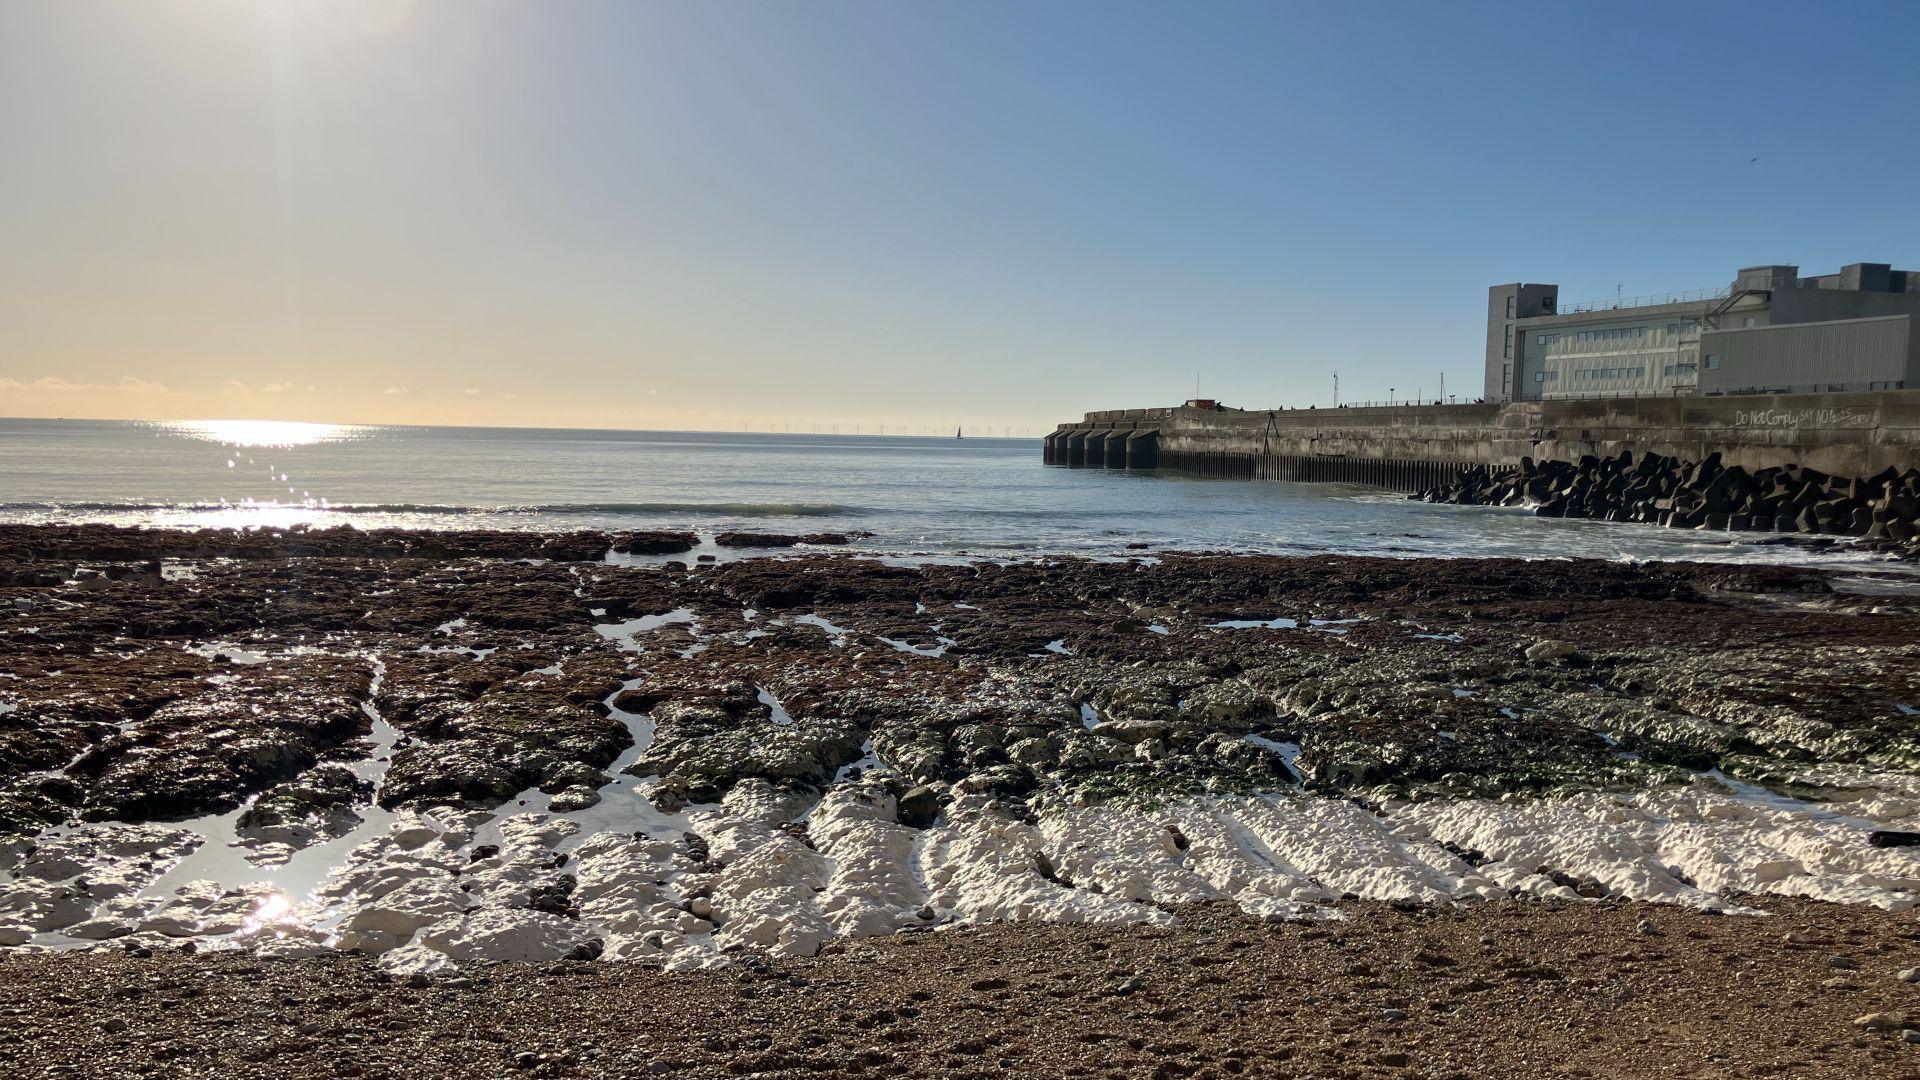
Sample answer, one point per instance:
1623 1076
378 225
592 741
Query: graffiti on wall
1806 418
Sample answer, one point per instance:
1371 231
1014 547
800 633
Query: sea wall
1412 447
1657 490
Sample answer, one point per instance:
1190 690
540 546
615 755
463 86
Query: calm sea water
916 495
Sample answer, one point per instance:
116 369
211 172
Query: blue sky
718 214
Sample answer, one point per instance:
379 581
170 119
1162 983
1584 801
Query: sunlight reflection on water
263 433
299 506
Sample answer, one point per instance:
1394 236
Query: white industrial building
1770 331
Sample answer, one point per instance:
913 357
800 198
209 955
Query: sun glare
262 432
365 18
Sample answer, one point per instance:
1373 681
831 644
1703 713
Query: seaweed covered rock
208 750
782 540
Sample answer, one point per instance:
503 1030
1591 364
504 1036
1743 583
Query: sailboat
956 434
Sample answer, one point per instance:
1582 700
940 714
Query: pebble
1542 651
1908 975
1394 1014
1910 1036
114 1025
1878 1021
1842 963
1645 928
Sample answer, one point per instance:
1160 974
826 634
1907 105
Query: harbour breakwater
1412 448
1679 494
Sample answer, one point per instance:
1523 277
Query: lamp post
1389 397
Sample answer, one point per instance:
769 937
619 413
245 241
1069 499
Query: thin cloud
393 391
128 384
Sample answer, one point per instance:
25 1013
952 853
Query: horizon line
501 427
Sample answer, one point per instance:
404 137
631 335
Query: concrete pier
1109 445
1413 447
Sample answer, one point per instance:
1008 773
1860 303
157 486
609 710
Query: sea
916 496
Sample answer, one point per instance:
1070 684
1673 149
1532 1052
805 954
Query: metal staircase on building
1711 320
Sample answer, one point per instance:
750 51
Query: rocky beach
1210 813
958 540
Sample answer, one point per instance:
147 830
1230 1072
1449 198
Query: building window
1619 333
1546 305
1713 362
1748 321
1506 378
1637 372
1510 301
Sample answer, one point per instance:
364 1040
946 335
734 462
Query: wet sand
1491 990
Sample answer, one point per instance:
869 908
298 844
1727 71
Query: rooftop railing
1615 303
1741 391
